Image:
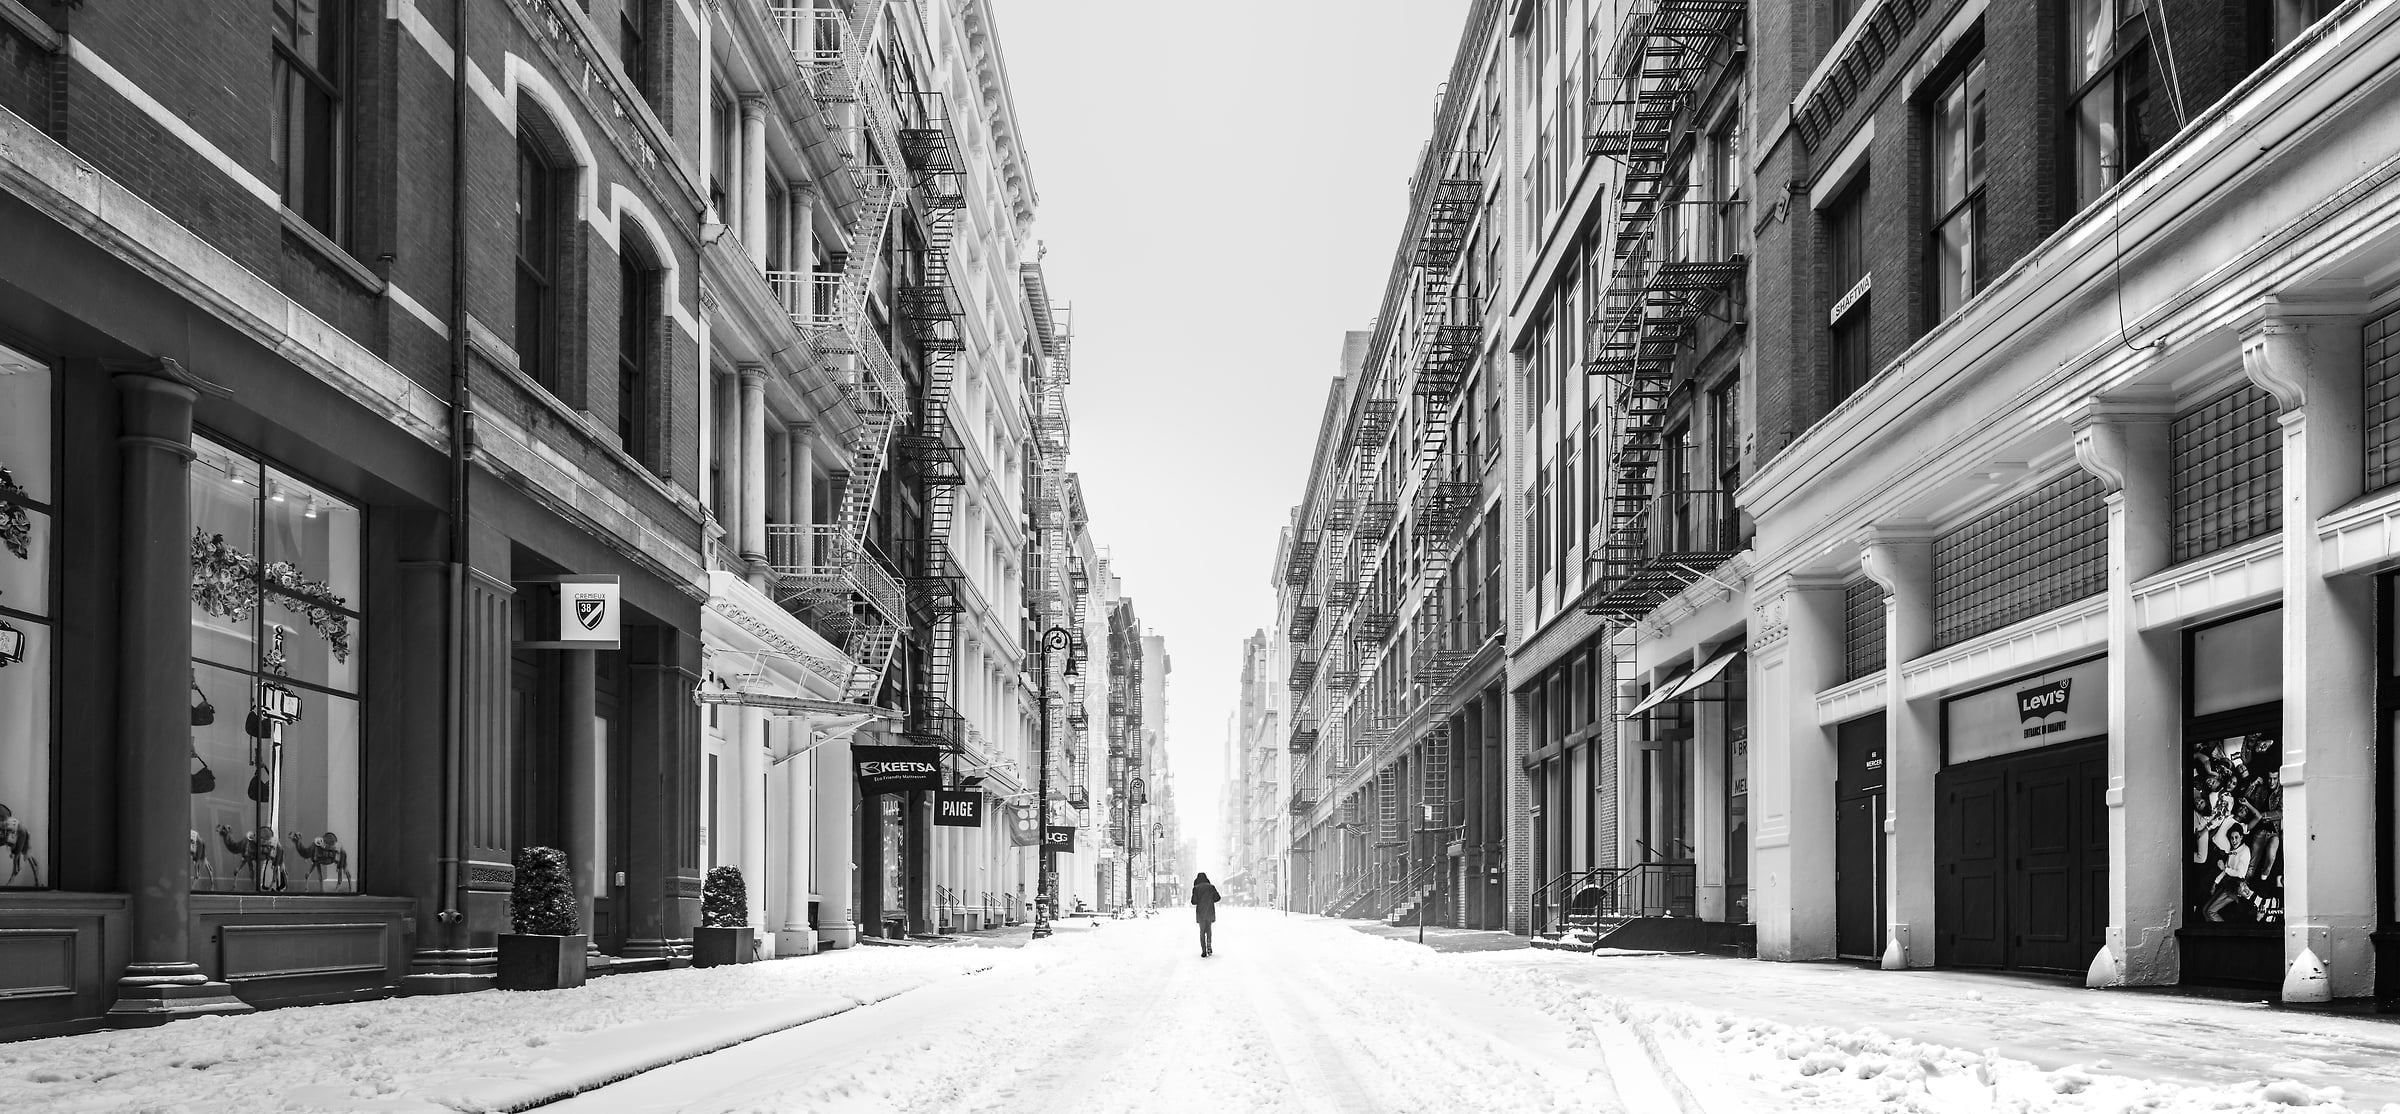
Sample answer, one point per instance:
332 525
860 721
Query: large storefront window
275 679
2233 759
27 533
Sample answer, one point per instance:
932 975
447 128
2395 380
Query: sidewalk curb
509 1096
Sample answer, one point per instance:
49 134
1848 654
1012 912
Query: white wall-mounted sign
577 611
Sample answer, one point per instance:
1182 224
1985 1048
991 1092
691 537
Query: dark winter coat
1204 903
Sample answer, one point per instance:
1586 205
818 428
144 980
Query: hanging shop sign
895 769
578 611
1059 838
958 809
2061 706
1020 826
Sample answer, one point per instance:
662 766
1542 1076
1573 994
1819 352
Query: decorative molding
2362 536
2076 629
490 877
1852 700
2216 584
2281 344
1877 551
2100 436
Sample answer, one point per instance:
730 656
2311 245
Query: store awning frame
1708 671
1658 695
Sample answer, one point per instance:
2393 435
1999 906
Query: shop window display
2235 870
27 533
275 679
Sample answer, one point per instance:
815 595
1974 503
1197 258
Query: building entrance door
1858 845
2021 859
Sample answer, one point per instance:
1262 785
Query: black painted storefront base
2221 956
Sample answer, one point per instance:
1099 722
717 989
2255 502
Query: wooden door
1969 864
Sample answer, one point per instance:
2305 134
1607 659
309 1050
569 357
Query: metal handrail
1643 889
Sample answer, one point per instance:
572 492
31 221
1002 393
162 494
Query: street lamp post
1056 638
1137 795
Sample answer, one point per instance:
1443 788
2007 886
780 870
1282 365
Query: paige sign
952 809
2062 706
887 769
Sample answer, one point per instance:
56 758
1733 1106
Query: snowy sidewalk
472 1052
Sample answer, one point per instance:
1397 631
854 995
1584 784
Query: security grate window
2047 549
2383 401
1862 629
2228 455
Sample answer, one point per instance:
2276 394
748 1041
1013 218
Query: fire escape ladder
1660 534
1388 828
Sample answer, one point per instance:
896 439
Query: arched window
542 183
638 351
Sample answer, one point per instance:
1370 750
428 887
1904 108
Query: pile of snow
491 1050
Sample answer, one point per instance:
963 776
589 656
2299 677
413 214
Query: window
28 528
2044 549
1848 321
311 75
2107 94
723 121
2226 479
275 623
1957 256
1732 231
636 21
637 358
1725 432
537 264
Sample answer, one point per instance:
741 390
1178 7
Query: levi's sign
953 809
887 769
2042 702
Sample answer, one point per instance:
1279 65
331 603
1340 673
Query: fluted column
753 772
794 937
835 804
154 657
2310 363
754 178
1900 560
1795 653
753 432
2125 447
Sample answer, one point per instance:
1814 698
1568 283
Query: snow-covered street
1306 1014
1291 1014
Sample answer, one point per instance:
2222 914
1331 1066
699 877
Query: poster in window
27 527
2233 870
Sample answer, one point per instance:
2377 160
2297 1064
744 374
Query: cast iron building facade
2072 489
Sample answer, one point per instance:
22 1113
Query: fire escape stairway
931 308
1653 547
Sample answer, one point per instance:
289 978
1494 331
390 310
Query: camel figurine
259 853
324 851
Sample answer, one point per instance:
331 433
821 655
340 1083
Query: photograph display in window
27 534
2234 872
275 677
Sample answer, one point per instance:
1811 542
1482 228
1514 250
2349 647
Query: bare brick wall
2024 201
212 66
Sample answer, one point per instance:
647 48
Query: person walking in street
1204 910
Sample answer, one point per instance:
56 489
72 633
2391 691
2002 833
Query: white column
795 937
727 420
779 474
2310 363
804 474
753 428
803 221
1796 650
1901 561
754 178
834 805
2125 446
752 767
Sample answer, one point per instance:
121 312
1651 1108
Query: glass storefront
2233 761
275 679
28 531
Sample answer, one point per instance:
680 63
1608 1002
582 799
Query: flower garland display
224 579
16 524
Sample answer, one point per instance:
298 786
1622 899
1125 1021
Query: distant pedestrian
1204 910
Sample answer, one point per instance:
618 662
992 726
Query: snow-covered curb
468 1053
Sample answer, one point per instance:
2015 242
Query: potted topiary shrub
724 935
545 952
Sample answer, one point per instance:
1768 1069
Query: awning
1708 671
1657 696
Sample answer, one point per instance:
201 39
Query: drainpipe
455 712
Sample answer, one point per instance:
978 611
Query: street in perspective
1701 556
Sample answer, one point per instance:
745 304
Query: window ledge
326 249
15 14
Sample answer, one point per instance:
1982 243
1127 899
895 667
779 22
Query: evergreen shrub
724 900
542 900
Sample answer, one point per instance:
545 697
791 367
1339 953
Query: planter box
717 947
541 962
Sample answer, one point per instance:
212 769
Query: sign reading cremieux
576 611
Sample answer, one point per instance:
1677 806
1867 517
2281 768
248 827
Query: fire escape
827 574
932 309
1662 534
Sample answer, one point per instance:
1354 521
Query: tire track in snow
1300 1052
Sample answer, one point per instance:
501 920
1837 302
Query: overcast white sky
1222 188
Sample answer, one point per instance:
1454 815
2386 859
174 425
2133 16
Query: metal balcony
1658 545
813 565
